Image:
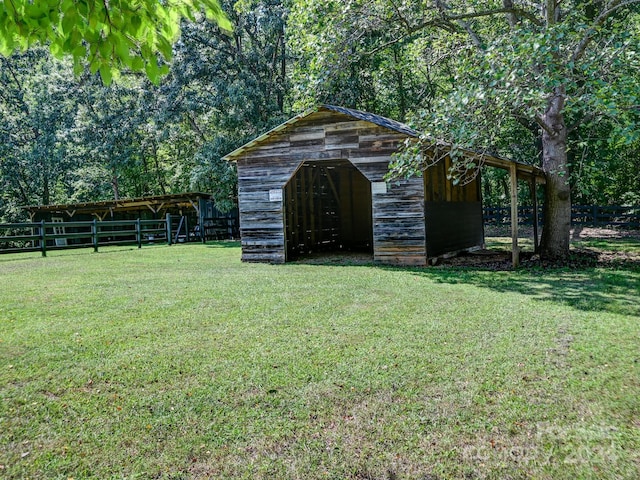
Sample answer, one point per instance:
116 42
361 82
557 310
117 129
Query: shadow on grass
71 251
590 289
223 244
613 288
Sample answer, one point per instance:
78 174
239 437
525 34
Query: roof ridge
373 118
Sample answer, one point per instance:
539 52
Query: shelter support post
534 202
43 238
138 233
94 234
515 250
200 211
168 228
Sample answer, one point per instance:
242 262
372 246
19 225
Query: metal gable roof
370 117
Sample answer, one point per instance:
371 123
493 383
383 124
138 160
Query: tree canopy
66 138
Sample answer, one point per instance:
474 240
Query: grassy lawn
182 362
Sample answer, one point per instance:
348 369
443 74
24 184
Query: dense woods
550 83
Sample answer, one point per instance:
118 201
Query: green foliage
500 92
67 138
215 176
226 90
108 36
36 112
341 61
133 138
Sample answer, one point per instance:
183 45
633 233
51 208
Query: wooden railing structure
615 216
43 236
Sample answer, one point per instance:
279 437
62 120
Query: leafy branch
591 32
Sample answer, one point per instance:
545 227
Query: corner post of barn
515 250
138 233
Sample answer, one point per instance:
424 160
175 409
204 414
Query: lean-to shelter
196 208
317 183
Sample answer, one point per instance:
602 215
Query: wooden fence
43 236
588 215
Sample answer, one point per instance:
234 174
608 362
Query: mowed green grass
182 362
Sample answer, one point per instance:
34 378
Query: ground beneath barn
590 247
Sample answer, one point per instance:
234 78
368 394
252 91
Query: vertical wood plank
304 193
515 251
447 182
534 202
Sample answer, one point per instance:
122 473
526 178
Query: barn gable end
324 137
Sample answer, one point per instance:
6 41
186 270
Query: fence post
43 238
94 234
169 228
139 233
594 211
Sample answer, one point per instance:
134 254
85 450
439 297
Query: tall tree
226 89
36 112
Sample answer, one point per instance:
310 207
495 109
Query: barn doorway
327 208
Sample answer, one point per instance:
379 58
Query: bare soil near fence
577 233
590 247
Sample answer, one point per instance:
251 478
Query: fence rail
43 236
591 215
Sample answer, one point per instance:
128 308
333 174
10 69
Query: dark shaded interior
453 213
327 207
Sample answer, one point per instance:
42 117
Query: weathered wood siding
399 224
260 175
398 214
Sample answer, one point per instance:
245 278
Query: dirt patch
577 233
500 258
582 233
336 258
580 257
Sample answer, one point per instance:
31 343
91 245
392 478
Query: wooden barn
316 183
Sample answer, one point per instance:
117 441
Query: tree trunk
115 187
557 205
46 196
